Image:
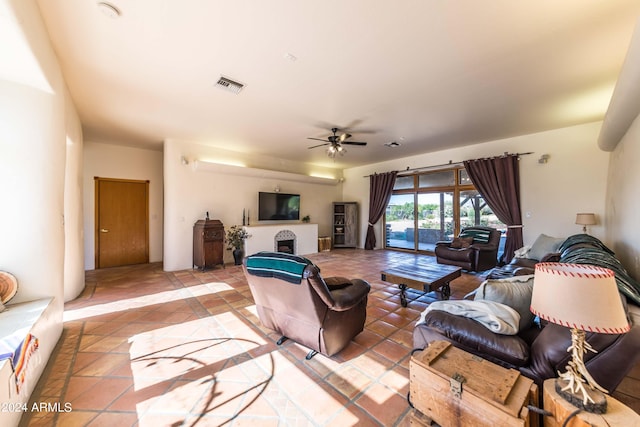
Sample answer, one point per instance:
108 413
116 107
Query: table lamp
585 219
584 298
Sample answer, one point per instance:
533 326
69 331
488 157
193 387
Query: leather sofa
539 350
292 298
472 254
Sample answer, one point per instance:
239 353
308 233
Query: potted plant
234 237
306 218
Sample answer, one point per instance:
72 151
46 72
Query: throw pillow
543 245
480 236
8 286
461 242
523 252
514 292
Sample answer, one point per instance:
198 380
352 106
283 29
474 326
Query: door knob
104 230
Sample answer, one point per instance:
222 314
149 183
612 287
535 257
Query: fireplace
285 241
285 246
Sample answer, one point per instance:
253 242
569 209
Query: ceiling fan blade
343 137
318 139
354 143
319 145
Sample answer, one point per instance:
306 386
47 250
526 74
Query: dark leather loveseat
539 350
293 299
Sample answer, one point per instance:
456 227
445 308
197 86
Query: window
432 206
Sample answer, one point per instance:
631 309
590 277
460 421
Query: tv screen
278 206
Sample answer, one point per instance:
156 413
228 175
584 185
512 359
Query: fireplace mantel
263 237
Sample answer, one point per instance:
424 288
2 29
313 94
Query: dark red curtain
380 189
498 181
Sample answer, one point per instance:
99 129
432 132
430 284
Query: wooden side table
617 413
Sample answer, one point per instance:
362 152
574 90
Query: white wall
623 200
37 173
190 193
573 180
73 219
117 161
37 119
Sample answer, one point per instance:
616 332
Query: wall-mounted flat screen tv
278 206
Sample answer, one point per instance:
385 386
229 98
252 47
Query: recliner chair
293 299
475 249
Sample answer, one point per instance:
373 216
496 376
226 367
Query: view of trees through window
417 216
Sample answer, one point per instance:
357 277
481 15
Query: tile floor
143 347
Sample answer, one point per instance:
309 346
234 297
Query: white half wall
190 193
573 180
117 161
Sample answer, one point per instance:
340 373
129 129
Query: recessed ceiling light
108 9
392 144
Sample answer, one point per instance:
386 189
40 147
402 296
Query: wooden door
122 222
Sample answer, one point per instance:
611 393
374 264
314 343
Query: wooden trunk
455 388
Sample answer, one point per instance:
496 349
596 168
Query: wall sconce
543 159
184 160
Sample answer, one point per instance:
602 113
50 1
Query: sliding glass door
400 222
435 219
428 207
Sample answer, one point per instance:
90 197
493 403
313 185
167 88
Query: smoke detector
229 85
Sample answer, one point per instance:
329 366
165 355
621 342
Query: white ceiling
429 74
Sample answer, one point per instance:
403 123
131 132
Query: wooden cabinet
208 243
345 224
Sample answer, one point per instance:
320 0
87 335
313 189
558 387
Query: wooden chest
455 388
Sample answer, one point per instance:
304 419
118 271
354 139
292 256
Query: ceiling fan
336 142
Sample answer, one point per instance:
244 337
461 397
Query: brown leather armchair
471 255
293 299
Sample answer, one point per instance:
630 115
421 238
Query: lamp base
598 406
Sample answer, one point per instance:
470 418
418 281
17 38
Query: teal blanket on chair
279 265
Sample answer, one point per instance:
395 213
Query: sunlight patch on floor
145 301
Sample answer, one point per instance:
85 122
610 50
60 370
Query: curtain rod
451 163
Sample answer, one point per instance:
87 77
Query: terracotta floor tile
327 403
391 350
384 404
103 365
382 328
349 381
101 395
76 418
352 415
110 419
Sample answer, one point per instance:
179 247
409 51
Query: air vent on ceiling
228 84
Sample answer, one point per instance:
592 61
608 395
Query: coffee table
424 276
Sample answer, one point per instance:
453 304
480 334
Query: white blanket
497 317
